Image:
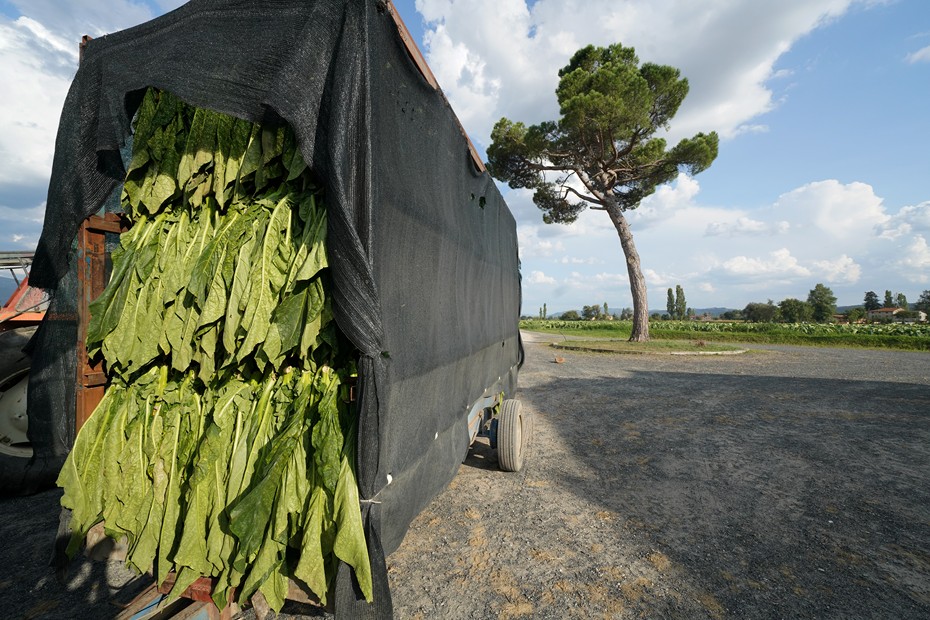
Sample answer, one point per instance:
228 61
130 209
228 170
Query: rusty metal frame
91 280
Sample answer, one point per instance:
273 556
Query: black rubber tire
514 431
20 473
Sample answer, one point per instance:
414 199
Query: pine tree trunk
637 281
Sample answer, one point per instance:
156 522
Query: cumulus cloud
538 277
501 57
915 261
842 270
841 211
533 246
69 21
779 264
745 226
921 55
30 70
29 216
667 201
39 51
909 219
574 260
611 278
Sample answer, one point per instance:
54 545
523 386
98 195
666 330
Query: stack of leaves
223 446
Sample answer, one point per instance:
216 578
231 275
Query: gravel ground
790 482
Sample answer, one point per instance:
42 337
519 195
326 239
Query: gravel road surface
783 483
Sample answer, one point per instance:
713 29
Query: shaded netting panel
447 271
423 250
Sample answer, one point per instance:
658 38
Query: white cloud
666 203
500 58
533 246
33 215
909 219
39 51
53 43
843 212
745 226
70 20
843 269
611 278
780 264
921 55
32 71
538 277
654 278
464 71
574 260
915 263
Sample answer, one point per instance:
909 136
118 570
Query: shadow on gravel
29 588
782 497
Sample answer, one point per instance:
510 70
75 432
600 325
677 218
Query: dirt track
786 483
780 484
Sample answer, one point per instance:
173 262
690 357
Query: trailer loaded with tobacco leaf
288 292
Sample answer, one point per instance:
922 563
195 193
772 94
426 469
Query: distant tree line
819 307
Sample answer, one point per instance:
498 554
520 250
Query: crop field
880 336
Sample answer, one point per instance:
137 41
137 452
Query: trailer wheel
16 474
514 430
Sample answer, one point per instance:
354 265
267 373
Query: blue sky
822 106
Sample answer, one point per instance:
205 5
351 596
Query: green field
888 336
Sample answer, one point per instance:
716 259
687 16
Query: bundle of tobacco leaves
224 445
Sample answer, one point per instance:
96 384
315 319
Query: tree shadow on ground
780 496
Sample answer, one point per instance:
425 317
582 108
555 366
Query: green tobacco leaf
293 159
261 568
201 504
286 324
134 491
327 437
350 536
218 449
79 476
182 351
146 316
271 168
160 184
252 514
238 143
106 309
311 567
268 267
250 162
224 128
188 165
239 293
312 248
142 130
